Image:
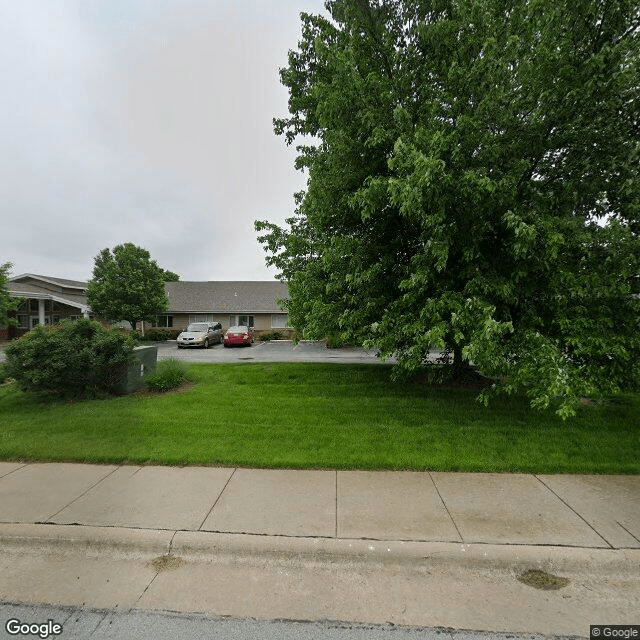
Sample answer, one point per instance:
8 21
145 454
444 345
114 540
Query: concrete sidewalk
578 511
399 547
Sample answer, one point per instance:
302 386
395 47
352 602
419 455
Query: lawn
320 416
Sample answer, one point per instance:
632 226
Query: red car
238 335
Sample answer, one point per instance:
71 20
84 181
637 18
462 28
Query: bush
265 337
169 374
158 334
76 358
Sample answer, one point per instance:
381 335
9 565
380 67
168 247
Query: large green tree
127 285
473 184
7 302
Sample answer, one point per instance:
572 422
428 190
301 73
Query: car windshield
198 327
238 330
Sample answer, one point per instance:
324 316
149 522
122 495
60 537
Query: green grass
321 416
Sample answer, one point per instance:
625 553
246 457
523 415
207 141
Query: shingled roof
63 282
225 297
29 285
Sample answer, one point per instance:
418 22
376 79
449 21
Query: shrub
265 337
156 334
76 358
159 334
169 374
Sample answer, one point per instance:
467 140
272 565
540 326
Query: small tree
127 285
7 303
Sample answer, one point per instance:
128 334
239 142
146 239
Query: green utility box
144 364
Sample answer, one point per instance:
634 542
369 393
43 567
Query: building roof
184 296
225 297
71 292
63 282
20 290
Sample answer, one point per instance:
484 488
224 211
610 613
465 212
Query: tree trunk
459 363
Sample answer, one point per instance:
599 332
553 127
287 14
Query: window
241 321
201 317
166 322
23 322
279 320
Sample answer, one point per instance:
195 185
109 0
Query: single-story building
48 300
251 303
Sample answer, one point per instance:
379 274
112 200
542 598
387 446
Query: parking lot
273 351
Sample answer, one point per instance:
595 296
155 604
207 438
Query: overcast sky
144 121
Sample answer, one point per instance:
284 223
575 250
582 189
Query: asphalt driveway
273 351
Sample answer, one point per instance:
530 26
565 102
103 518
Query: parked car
201 334
238 335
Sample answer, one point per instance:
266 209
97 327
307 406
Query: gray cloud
147 122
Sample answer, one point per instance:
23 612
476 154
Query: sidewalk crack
544 484
95 484
22 466
144 591
444 504
217 499
175 533
627 530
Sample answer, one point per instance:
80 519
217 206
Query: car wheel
206 343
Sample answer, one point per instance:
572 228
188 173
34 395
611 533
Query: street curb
203 546
90 540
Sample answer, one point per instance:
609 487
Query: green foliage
7 303
170 276
274 335
79 358
169 374
335 342
127 285
157 334
474 184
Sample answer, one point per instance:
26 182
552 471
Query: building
252 303
48 300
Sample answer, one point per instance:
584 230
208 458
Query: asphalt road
85 624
